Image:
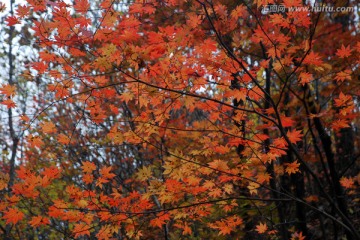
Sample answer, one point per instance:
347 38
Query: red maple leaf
287 121
12 20
40 67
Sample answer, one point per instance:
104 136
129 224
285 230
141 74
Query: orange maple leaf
23 173
312 198
101 181
297 236
280 142
305 77
219 165
347 182
313 58
105 172
38 221
13 216
292 167
187 230
240 94
51 172
340 124
221 149
343 75
294 136
261 228
22 11
82 5
339 102
88 178
48 127
215 192
9 103
104 233
160 220
224 229
127 96
239 11
277 19
88 167
8 90
263 177
81 229
25 118
63 139
344 52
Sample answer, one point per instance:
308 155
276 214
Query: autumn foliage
180 119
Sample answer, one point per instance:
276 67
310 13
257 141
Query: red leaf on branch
12 20
294 136
9 103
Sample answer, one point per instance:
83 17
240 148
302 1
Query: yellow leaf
219 165
144 173
253 187
82 203
228 188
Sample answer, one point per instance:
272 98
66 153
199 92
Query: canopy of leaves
164 119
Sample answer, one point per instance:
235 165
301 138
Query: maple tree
170 119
